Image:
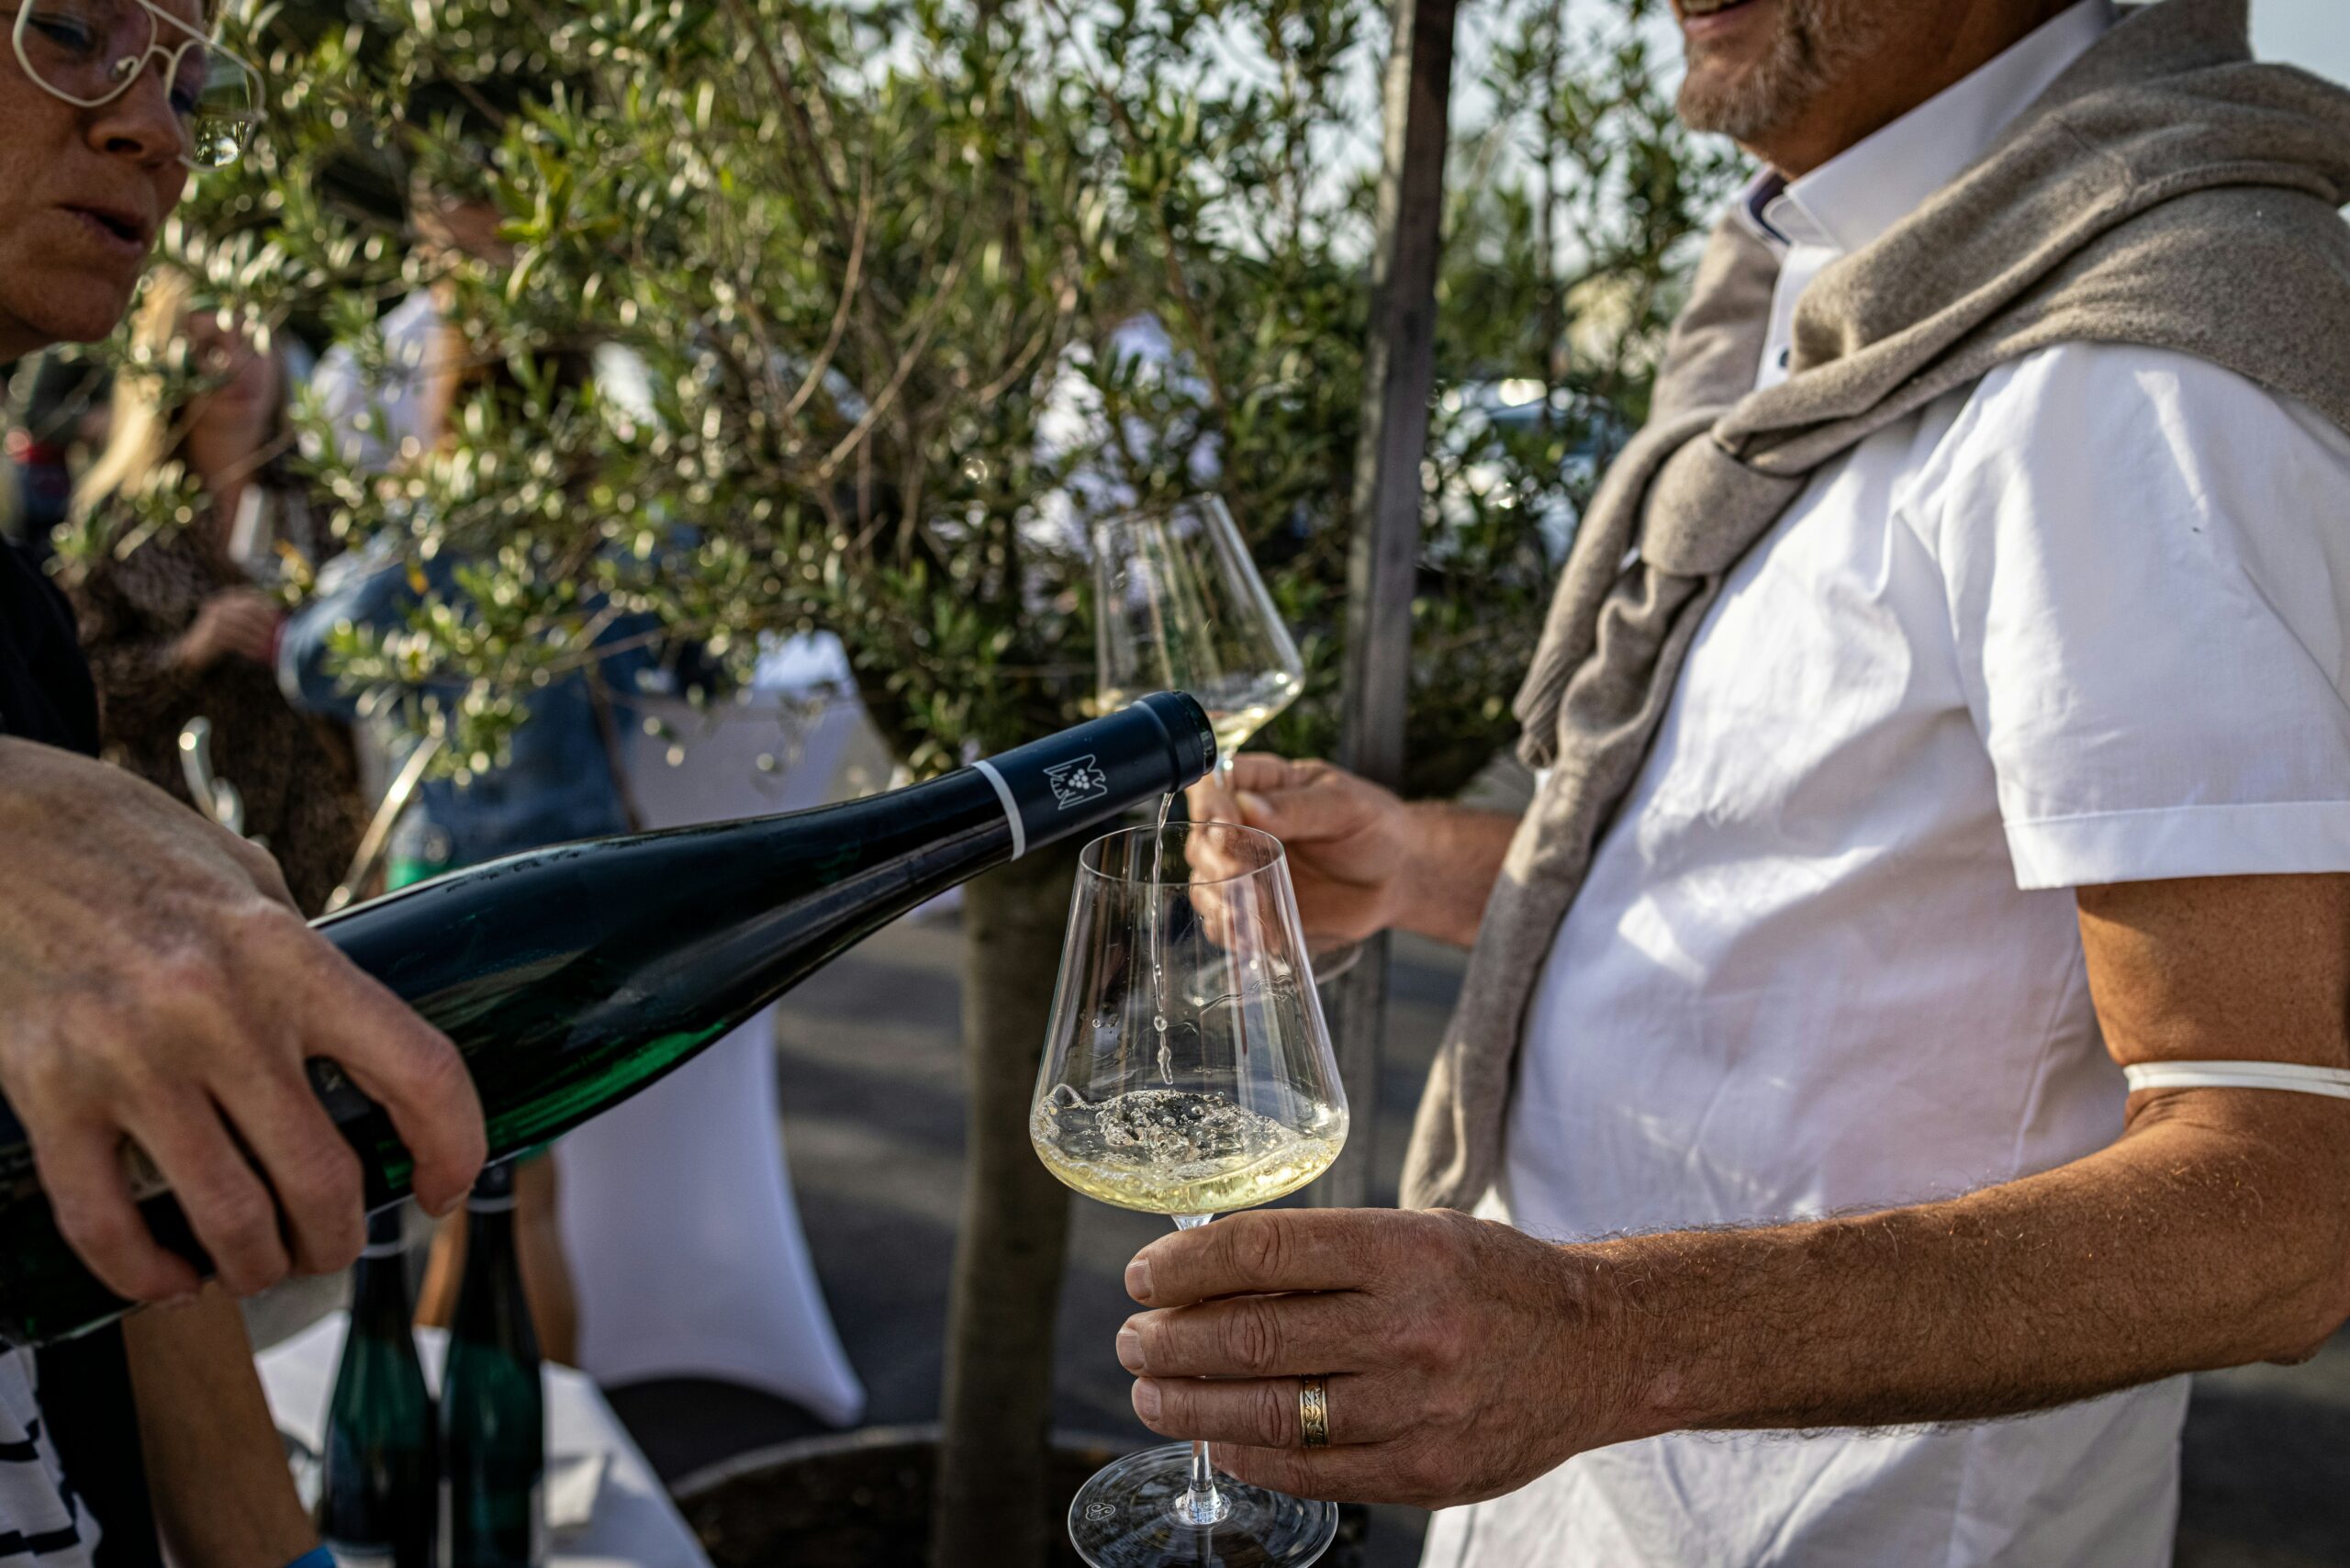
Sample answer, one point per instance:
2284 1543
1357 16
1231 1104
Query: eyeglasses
88 52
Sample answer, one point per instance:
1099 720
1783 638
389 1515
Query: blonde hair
143 434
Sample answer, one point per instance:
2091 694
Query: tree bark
990 1511
1382 562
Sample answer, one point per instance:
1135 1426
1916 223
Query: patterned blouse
295 772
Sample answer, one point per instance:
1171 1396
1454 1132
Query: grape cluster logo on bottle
1076 782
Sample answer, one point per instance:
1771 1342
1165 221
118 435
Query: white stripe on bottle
1010 806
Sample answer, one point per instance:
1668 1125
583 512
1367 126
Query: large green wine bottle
493 1410
380 1484
571 978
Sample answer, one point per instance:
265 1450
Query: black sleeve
85 1395
45 690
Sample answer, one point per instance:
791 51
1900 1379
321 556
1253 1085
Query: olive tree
884 264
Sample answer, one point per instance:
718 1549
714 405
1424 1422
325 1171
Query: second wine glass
1179 606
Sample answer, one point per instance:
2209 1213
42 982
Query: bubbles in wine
1176 1151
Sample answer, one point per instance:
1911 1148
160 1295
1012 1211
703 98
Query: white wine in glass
1179 1152
1187 1071
1179 606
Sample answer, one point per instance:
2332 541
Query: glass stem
1200 1502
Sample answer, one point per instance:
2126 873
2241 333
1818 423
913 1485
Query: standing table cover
676 1210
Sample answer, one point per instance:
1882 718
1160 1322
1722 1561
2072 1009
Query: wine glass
1187 1070
1179 606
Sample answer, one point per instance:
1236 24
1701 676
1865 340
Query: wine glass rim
1089 858
1151 508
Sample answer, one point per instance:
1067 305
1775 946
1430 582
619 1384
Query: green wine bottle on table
572 977
379 1489
493 1409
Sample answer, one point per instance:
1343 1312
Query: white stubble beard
1816 43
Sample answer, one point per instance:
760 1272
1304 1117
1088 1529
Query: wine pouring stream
1187 1071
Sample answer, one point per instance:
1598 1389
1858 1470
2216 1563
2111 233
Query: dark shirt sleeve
46 695
45 690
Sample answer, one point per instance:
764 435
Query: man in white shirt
2017 751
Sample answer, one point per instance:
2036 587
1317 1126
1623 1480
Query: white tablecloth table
632 1523
678 1216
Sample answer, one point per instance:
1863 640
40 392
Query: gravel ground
873 1122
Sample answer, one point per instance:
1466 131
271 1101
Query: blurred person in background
560 780
393 417
563 778
390 411
124 908
179 623
566 778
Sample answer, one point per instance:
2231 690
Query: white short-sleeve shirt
2082 625
2081 622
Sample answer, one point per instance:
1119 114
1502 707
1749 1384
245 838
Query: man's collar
1753 205
1872 185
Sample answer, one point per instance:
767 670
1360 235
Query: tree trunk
998 1401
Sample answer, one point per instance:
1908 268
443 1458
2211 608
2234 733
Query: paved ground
873 1123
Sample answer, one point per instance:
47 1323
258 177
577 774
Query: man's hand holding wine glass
1362 859
1461 1357
1347 839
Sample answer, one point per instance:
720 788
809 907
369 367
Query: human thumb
1258 811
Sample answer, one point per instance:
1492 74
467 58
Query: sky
2311 33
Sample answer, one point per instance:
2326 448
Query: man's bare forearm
1456 856
2191 1245
1471 1357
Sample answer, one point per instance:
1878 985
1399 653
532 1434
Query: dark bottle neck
380 1303
1069 783
491 1307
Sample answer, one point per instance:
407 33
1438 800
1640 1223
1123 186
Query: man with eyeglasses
156 985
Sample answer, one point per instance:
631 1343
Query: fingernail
1130 1349
1138 1279
1147 1400
179 1303
449 1206
1255 805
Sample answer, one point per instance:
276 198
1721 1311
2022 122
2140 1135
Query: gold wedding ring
1314 1412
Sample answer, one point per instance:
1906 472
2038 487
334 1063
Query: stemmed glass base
1129 1516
